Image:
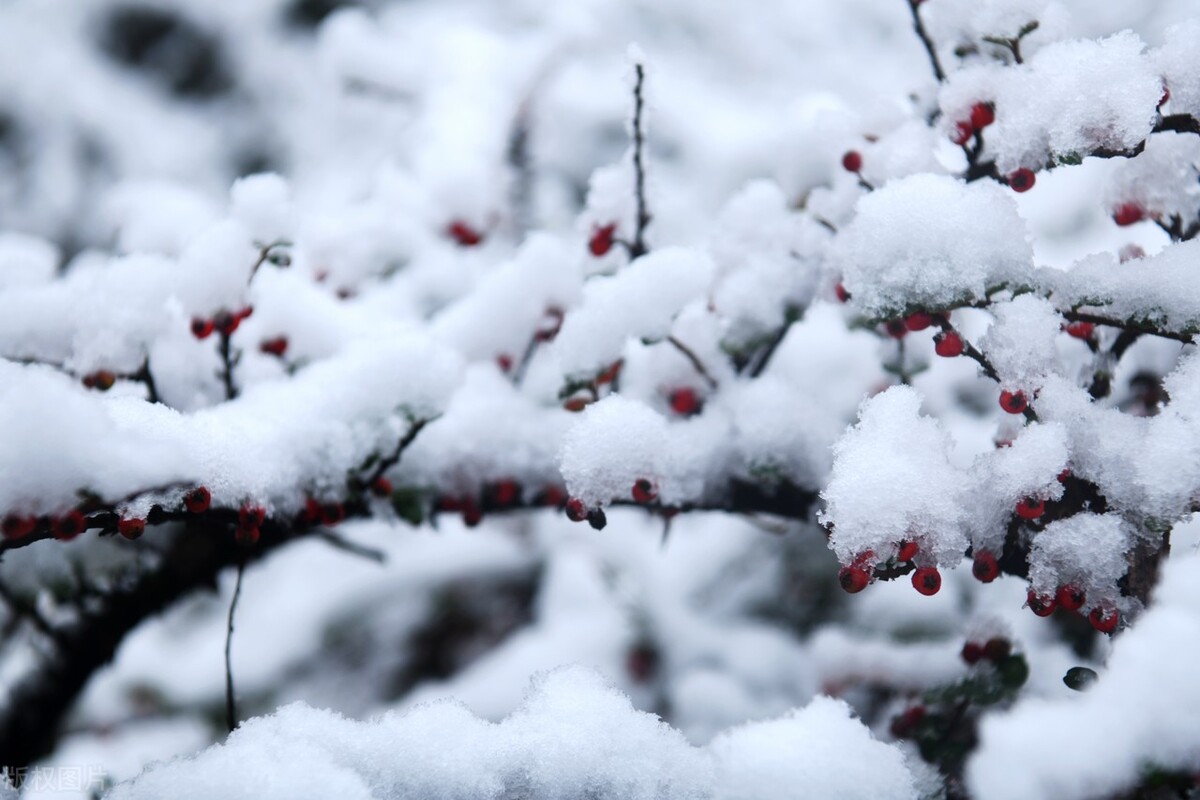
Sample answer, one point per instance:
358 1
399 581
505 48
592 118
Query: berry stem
638 246
695 361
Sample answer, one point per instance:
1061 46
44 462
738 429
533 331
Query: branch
1131 327
230 708
393 458
919 27
695 360
973 353
638 246
354 548
227 363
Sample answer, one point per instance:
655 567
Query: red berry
251 516
852 161
853 578
1031 508
463 234
1013 402
1166 95
963 131
927 580
275 347
202 328
948 344
908 551
918 321
312 511
641 662
1064 475
1070 597
550 325
576 510
553 496
69 525
504 362
1041 604
506 492
985 568
972 652
577 404
842 295
1104 620
131 528
226 323
1022 180
198 500
982 115
644 491
609 375
332 513
381 487
602 239
895 328
18 527
997 649
246 537
904 724
245 313
1128 214
101 379
1081 330
685 402
472 514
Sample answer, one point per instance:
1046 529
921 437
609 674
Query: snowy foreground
599 399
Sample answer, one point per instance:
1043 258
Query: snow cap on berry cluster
1162 181
1071 98
1029 467
616 442
1178 61
893 480
1086 550
640 301
931 242
1020 343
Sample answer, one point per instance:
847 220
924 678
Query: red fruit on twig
275 347
1104 620
1030 508
962 133
644 491
102 380
381 487
972 652
853 578
985 567
1081 330
227 323
896 328
471 513
504 361
202 328
1022 180
1070 597
1128 214
842 295
131 528
948 344
1013 402
597 518
197 500
250 516
907 550
16 526
927 580
332 513
918 321
463 234
982 115
685 402
576 510
602 239
852 161
69 525
1041 604
506 492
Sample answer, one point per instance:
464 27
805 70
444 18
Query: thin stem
769 351
227 362
354 548
230 707
695 360
393 458
919 27
638 246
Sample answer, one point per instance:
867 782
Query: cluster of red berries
63 527
223 322
249 524
274 347
1072 598
318 513
101 379
995 650
982 115
602 239
463 234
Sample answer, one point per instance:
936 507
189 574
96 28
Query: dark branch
231 718
923 34
393 458
638 246
695 361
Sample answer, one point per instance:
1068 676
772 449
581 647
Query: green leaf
1080 678
408 505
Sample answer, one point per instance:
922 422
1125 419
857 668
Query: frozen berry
577 404
312 511
602 239
597 518
927 580
506 492
198 500
685 402
982 115
1013 402
918 321
202 328
642 662
852 161
972 652
131 528
907 551
853 578
985 568
1128 214
842 295
1041 604
1064 476
463 234
381 487
69 525
644 491
576 510
1022 180
1070 597
1165 96
962 133
275 347
948 344
903 725
1081 330
997 649
1031 508
101 379
247 536
16 526
1103 619
251 516
332 513
472 514
895 328
226 323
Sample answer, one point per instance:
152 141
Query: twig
1096 319
230 707
973 353
393 458
521 194
769 351
227 362
147 377
696 362
519 373
919 27
354 548
638 246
